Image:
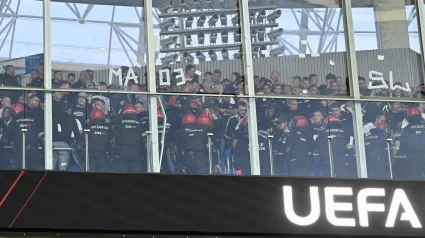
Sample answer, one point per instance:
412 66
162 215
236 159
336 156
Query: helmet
244 121
189 119
331 118
159 113
194 105
204 121
130 109
97 114
17 107
300 121
172 102
383 125
414 111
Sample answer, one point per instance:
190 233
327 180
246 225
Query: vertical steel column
150 61
421 25
47 44
249 77
354 89
24 146
86 137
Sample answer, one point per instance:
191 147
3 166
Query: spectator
306 83
70 78
274 76
296 81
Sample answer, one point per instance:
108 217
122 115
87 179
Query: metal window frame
248 69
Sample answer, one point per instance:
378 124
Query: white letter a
400 200
289 207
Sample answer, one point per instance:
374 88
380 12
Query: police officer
98 144
280 146
129 141
25 119
376 148
300 147
240 145
192 145
340 142
412 143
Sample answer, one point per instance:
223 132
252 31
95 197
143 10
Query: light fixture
261 33
261 16
252 17
223 19
165 7
200 56
262 48
201 38
238 55
188 39
274 15
169 59
237 36
167 24
209 3
277 51
201 21
225 54
254 33
213 20
188 57
189 21
197 4
235 20
169 41
185 5
212 55
225 37
275 34
213 37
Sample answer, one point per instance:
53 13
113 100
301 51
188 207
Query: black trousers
299 167
98 161
196 162
131 160
417 165
378 167
32 157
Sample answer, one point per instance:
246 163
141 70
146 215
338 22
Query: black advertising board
216 205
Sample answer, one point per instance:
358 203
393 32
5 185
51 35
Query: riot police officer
98 144
129 140
412 143
300 147
26 119
192 146
280 146
340 142
376 148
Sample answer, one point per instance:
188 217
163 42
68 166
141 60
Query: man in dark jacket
300 147
7 80
376 147
98 144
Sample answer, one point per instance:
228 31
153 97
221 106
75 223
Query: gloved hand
349 146
238 172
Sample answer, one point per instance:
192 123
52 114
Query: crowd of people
201 134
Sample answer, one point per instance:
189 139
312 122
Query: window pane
388 49
21 44
198 48
110 42
394 133
306 138
110 127
298 49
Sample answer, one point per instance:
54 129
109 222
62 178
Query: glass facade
273 88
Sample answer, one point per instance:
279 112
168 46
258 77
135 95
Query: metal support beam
88 9
249 76
47 44
123 46
13 31
421 26
303 32
7 33
153 157
355 90
110 36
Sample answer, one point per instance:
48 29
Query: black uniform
281 153
99 138
193 145
8 80
377 154
412 144
342 162
300 148
241 157
80 114
26 120
129 141
264 152
6 138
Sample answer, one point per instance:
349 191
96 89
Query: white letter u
289 207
